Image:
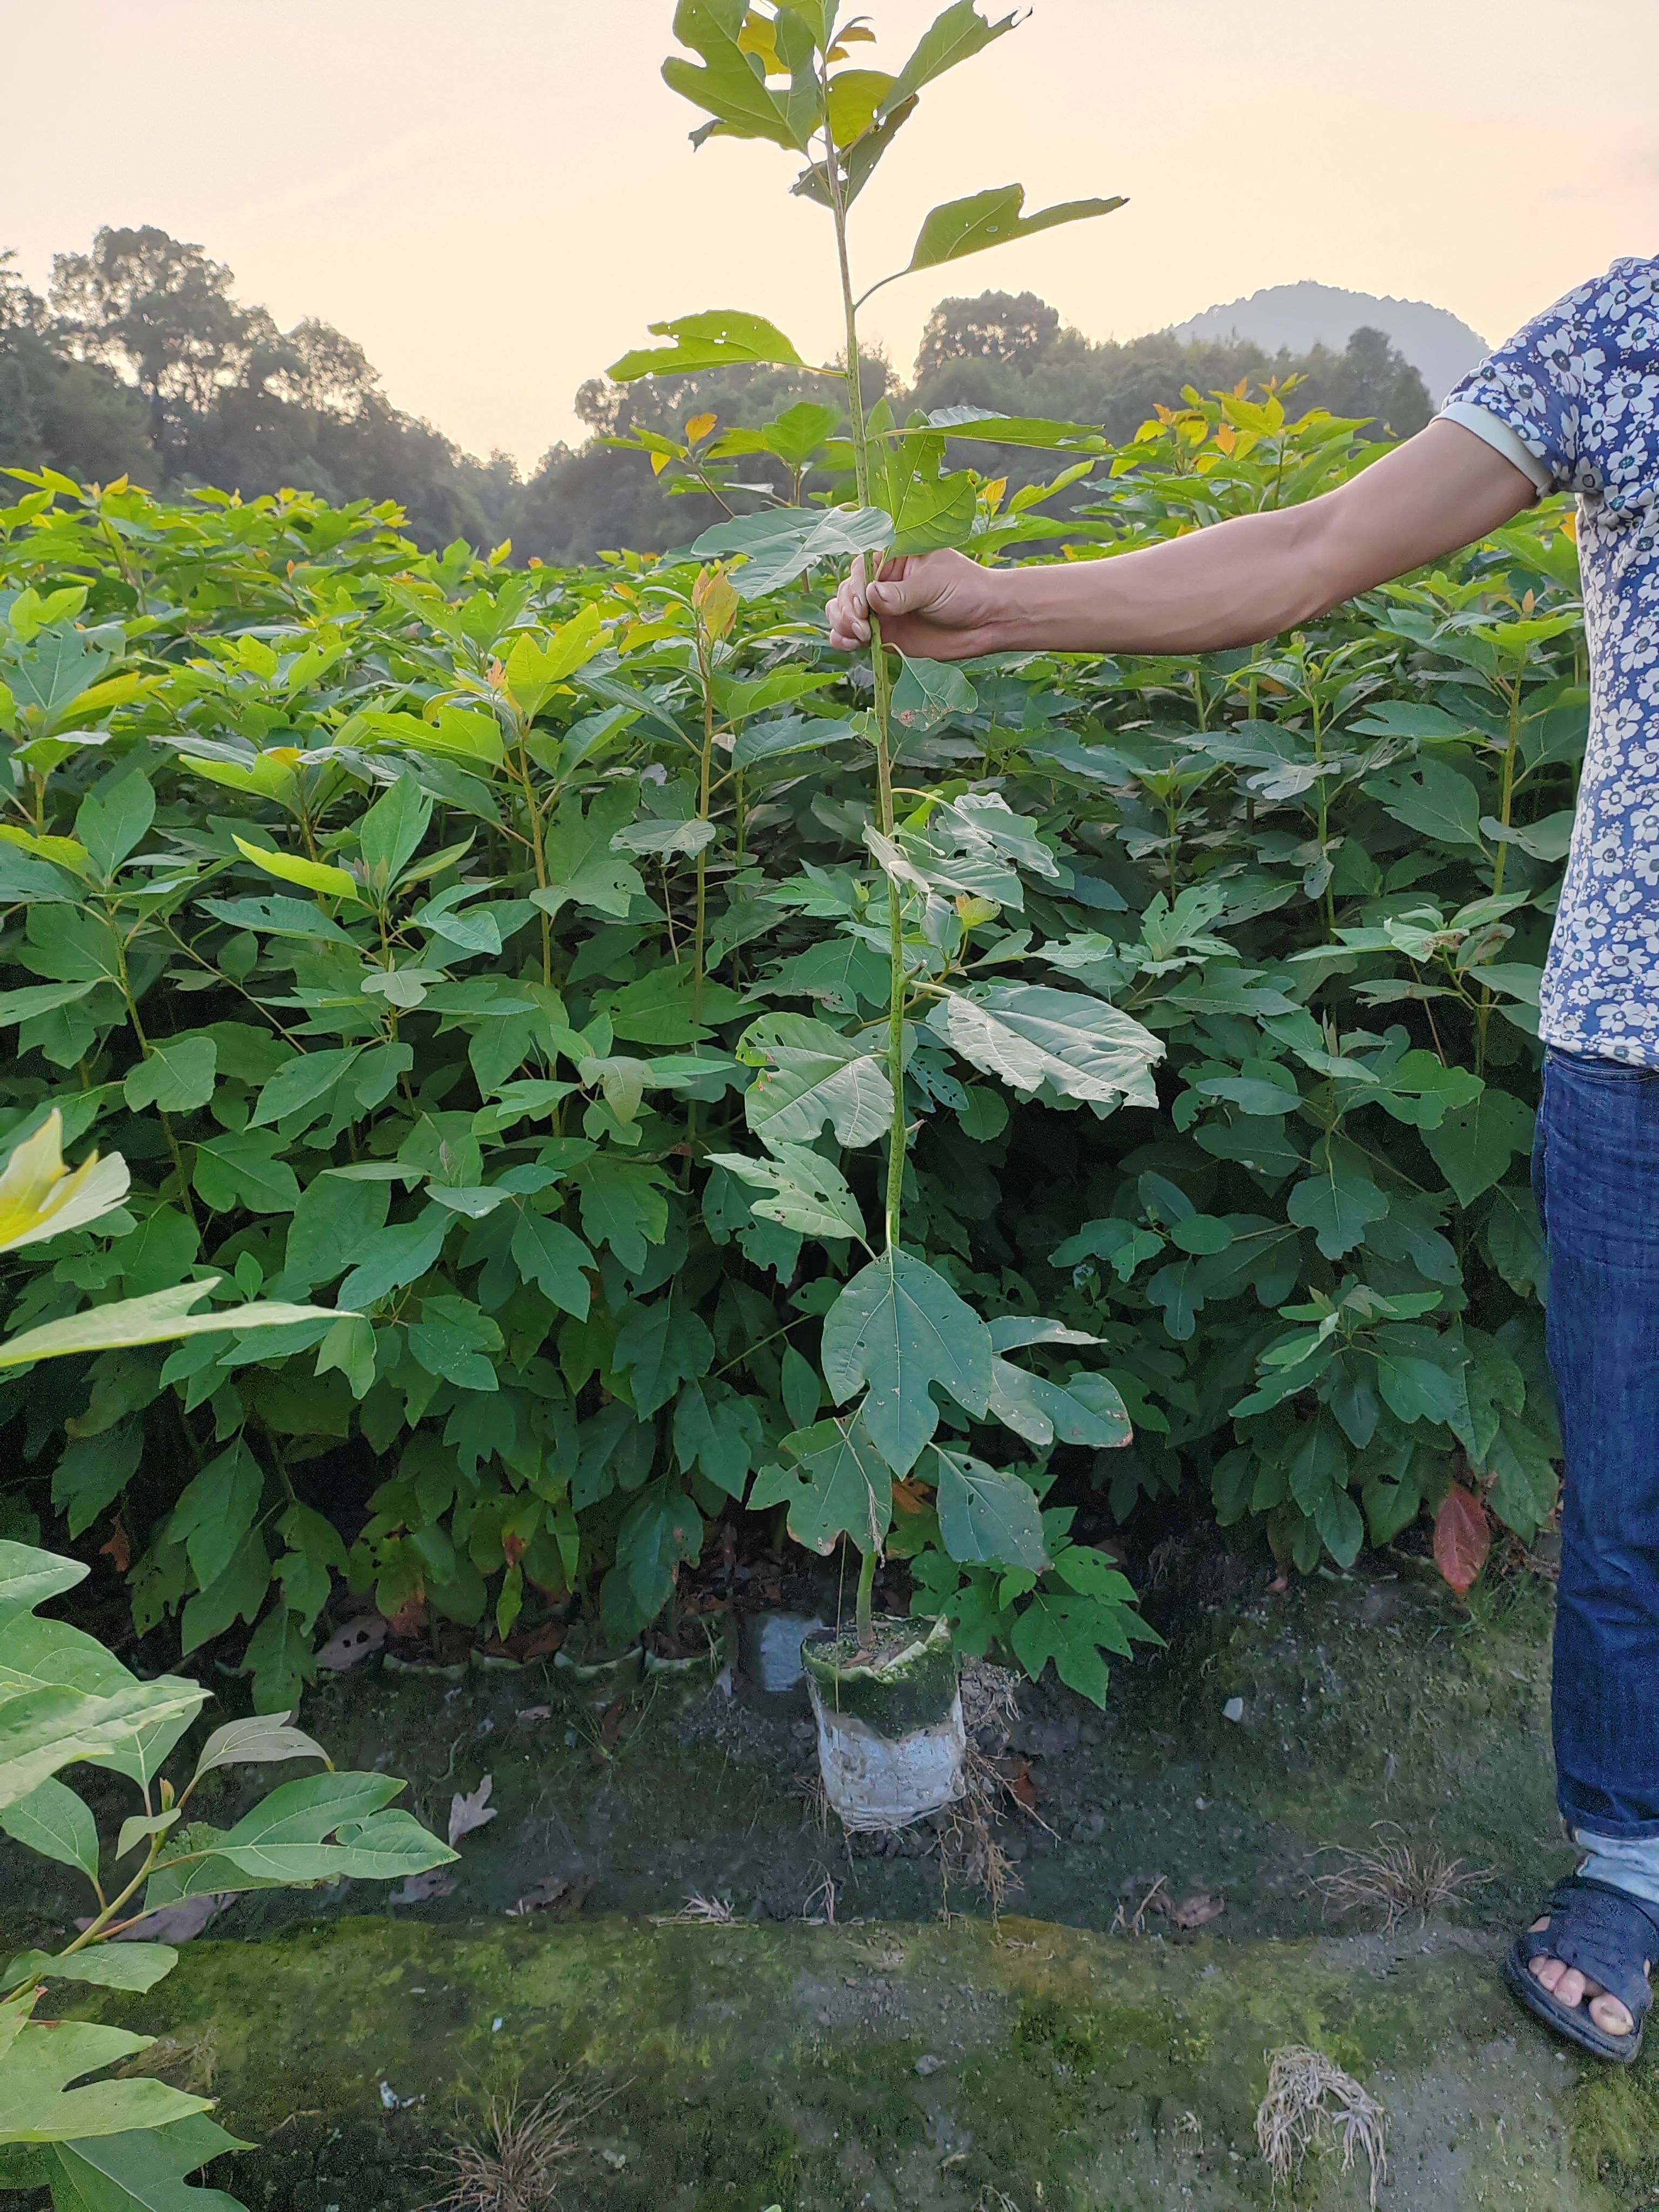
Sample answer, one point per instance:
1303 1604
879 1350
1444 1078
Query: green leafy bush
124 2144
713 1074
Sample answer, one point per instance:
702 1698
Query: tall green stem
897 1141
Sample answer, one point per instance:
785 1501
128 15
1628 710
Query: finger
856 587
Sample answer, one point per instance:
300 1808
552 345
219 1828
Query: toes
1548 1971
1570 1989
1610 2016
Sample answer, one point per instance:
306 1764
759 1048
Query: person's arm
1236 583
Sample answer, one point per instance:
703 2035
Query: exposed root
1310 2099
516 2163
819 1909
1398 1878
1130 1920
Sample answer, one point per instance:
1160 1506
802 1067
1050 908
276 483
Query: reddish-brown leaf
1462 1538
119 1548
411 1616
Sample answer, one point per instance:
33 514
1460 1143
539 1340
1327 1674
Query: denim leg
1598 1163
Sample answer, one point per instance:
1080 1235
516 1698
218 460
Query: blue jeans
1596 1169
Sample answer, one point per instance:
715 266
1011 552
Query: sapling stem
866 1616
898 1139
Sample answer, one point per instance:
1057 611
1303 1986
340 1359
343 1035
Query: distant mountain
1298 316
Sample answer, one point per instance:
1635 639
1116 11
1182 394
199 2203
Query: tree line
140 360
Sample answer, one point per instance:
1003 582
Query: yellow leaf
41 1197
854 96
699 427
659 463
155 1319
310 875
759 37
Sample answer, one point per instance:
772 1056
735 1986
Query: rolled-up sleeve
1527 399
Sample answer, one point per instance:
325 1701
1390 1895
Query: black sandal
1610 1937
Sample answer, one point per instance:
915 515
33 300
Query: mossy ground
771 2062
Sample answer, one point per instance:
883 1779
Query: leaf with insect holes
811 1075
988 1515
899 1328
805 1192
839 1485
1462 1538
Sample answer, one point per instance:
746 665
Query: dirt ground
1312 1819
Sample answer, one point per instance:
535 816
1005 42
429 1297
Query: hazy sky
494 198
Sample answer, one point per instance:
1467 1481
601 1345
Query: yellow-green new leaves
311 875
717 338
534 672
155 1319
41 1197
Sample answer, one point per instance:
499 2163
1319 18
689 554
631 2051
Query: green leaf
660 1532
811 1075
794 733
623 1205
55 1822
928 692
781 544
108 1966
996 217
111 821
718 1433
555 1259
581 868
714 339
245 1168
216 1510
1337 1201
954 37
1028 1036
1437 800
37 2107
658 1347
143 2171
261 1740
808 1193
986 1515
840 1485
1072 1630
1474 1145
899 1328
177 1074
389 834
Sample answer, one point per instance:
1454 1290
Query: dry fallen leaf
417 1887
466 1814
1193 1911
540 1642
354 1642
118 1550
534 1713
562 1895
171 1924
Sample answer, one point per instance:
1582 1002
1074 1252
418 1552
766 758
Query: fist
933 606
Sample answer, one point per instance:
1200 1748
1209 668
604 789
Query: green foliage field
370 904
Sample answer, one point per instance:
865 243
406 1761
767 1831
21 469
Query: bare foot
1571 1988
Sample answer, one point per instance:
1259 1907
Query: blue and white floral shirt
1573 400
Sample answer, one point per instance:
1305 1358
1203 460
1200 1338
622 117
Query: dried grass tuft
1310 2099
697 1912
517 2161
1398 1879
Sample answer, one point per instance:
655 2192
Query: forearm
1241 581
